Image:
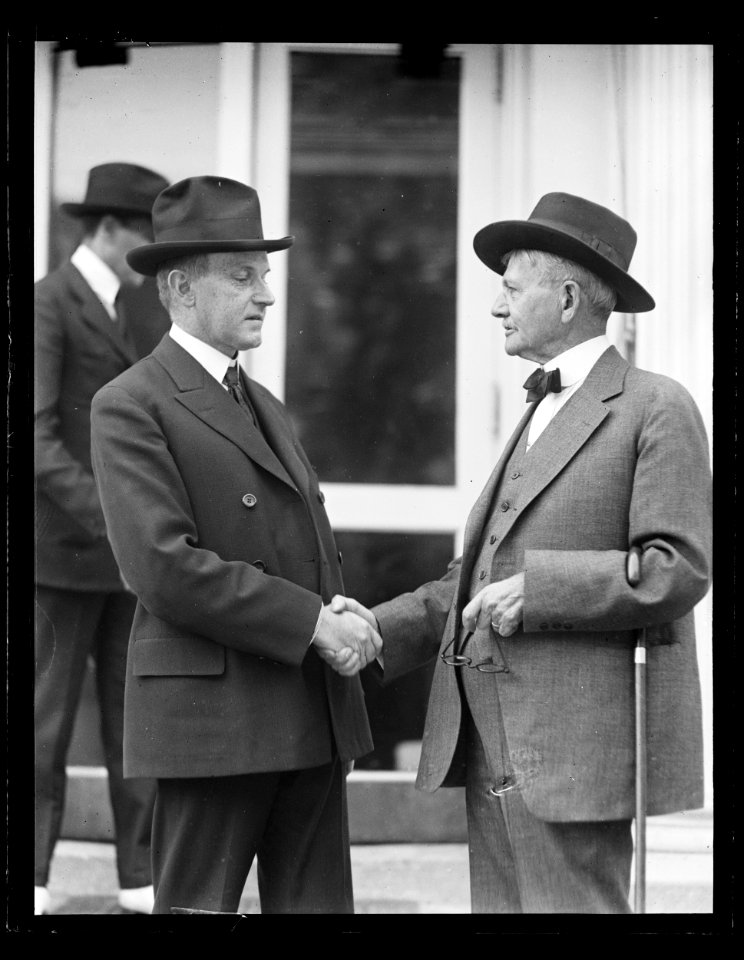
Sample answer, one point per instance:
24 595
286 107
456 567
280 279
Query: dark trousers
71 626
520 864
207 831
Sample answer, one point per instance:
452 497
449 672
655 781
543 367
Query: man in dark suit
533 627
217 521
82 605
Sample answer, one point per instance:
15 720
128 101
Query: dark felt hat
121 188
578 230
203 215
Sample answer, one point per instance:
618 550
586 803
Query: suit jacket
224 538
624 462
77 349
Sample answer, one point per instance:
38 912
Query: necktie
121 319
232 382
541 382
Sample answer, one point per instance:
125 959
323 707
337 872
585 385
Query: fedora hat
578 230
203 215
119 188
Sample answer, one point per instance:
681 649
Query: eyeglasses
485 666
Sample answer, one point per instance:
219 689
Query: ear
107 227
180 287
570 297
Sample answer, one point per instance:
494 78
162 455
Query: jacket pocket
177 657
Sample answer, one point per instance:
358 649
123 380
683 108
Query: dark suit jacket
225 541
77 349
624 462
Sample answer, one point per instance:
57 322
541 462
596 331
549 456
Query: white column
271 180
669 156
235 120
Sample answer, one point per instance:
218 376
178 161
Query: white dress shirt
574 365
214 361
99 276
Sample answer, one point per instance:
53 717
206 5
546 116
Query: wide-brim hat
122 188
203 215
578 230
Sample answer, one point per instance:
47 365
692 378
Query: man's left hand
500 604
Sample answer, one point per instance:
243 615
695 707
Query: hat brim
497 239
84 209
148 259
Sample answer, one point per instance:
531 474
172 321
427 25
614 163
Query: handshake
348 636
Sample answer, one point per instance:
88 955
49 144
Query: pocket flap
177 657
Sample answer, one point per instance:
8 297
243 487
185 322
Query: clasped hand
347 637
501 604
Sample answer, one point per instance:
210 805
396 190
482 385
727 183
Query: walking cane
634 577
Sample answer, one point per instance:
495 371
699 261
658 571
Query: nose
499 308
264 295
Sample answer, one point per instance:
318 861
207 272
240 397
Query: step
384 807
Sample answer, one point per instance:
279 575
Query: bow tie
541 382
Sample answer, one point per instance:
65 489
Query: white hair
602 298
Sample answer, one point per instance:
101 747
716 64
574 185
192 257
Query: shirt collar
576 362
99 276
214 361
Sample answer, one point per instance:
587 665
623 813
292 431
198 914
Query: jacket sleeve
62 477
156 543
413 624
669 518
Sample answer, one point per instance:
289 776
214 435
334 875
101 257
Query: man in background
83 607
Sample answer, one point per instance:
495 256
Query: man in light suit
217 521
532 701
83 608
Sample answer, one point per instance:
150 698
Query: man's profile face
231 300
530 311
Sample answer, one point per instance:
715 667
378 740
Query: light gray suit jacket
624 462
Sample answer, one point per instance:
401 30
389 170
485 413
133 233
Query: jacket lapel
571 427
204 397
278 437
481 507
93 315
562 439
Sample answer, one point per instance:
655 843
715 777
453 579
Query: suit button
259 565
340 558
249 500
557 626
321 497
493 538
568 626
505 505
516 474
481 575
544 626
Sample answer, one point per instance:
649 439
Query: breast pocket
177 657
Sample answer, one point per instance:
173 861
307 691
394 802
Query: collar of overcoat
93 315
272 447
562 439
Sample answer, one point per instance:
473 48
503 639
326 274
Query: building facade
384 160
